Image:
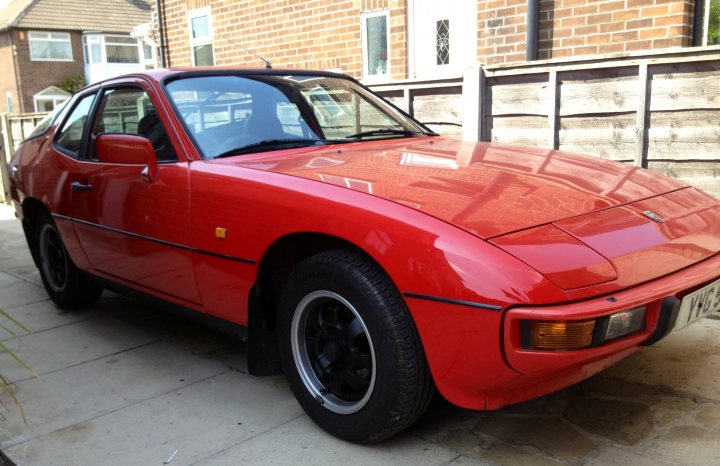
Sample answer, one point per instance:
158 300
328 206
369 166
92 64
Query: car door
132 224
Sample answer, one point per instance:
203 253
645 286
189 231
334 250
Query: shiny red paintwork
537 234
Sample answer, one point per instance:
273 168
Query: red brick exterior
324 34
587 27
34 76
582 27
313 34
8 83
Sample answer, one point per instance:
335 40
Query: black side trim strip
223 256
460 302
155 240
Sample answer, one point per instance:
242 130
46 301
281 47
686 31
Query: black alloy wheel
350 349
67 286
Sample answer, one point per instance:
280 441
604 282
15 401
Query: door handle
77 186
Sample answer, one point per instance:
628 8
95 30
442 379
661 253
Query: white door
443 37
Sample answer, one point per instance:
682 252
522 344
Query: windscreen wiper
382 132
269 144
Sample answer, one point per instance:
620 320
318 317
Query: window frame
56 99
70 109
100 40
136 44
9 102
706 23
365 45
50 39
97 113
200 41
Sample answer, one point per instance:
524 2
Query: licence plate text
698 304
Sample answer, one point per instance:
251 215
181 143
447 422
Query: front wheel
350 349
66 285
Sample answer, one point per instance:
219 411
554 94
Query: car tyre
67 286
350 349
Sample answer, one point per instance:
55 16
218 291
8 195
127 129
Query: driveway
124 383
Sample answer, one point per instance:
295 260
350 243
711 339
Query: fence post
552 96
641 117
7 142
472 96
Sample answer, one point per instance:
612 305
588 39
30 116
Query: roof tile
81 15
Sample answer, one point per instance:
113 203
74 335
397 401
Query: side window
70 136
376 43
130 111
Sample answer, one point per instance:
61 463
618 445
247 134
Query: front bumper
478 360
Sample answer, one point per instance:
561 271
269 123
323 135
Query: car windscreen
232 115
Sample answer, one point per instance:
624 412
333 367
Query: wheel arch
283 255
32 208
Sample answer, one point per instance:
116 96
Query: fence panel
14 128
659 110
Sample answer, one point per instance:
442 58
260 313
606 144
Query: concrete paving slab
300 441
688 445
688 360
6 212
15 257
40 316
619 457
196 420
15 292
87 391
66 346
465 461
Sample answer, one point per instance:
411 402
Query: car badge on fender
653 216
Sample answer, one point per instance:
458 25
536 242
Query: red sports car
374 260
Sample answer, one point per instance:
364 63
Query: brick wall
7 73
588 27
35 76
582 27
314 34
326 34
502 30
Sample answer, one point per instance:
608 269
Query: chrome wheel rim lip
53 258
308 375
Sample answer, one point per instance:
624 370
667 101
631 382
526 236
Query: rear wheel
350 349
66 285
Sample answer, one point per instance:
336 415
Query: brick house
380 40
43 42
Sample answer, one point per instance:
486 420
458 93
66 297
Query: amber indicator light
220 233
562 335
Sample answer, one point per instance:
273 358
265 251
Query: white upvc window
50 46
711 25
376 44
148 55
122 49
9 102
49 98
113 48
201 46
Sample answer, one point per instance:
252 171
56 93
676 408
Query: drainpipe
698 17
161 33
533 26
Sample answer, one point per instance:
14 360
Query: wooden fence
655 110
14 128
437 103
